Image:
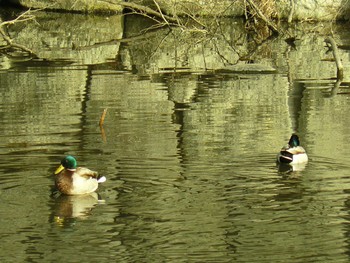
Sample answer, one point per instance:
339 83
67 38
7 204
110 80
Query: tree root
333 45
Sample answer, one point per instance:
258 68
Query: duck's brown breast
64 182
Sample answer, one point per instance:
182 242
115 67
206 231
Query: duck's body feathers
77 180
293 153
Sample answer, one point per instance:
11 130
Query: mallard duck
292 153
73 180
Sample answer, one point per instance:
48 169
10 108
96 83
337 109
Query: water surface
190 161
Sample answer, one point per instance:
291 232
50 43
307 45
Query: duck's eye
65 163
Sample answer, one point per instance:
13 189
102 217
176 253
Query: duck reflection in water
68 208
286 168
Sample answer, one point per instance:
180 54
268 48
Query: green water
189 157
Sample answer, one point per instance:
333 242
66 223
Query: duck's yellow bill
59 169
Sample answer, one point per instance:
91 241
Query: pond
188 147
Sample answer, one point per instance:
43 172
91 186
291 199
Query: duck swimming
292 153
73 180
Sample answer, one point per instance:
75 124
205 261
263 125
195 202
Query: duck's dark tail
285 157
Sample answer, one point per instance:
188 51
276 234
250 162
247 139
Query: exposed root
333 45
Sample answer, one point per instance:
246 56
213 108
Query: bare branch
263 17
292 7
146 10
25 16
160 11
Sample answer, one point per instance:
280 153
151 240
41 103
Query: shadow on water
190 140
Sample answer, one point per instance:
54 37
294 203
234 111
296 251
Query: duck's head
69 163
294 141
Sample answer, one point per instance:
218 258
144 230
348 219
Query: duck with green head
292 153
73 180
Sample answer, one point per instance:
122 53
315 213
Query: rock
88 6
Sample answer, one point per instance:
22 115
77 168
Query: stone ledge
86 6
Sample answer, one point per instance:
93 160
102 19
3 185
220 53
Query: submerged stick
103 116
338 62
103 134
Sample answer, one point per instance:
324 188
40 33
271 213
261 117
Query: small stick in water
103 116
